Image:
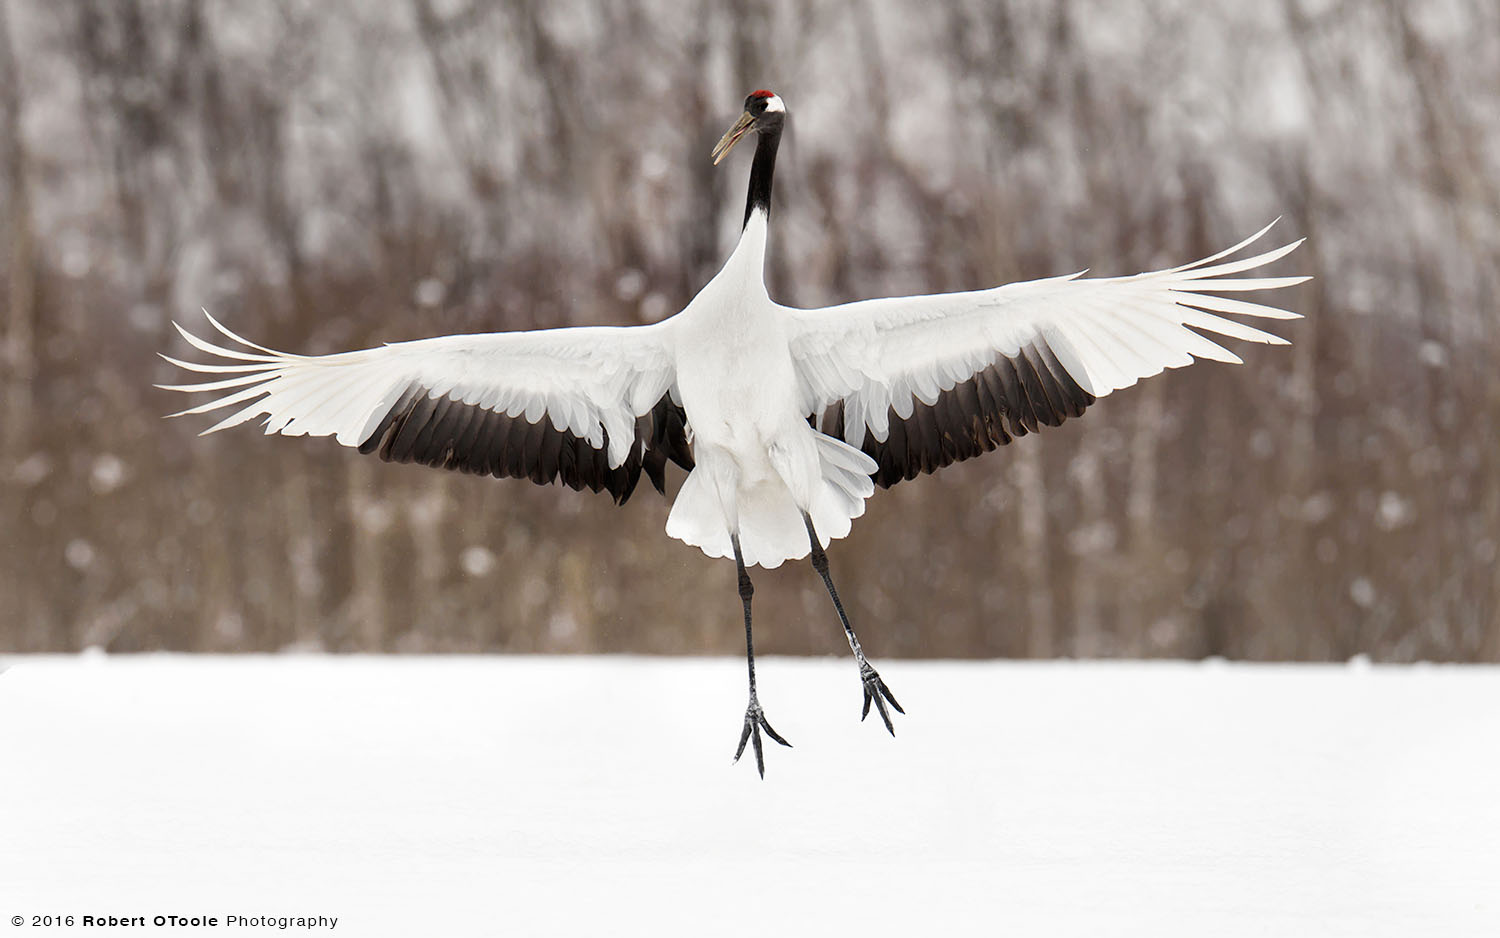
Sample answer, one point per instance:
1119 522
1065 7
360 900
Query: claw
755 721
773 734
886 693
745 737
876 691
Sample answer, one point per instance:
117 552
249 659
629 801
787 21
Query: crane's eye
760 101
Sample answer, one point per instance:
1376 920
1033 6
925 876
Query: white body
759 464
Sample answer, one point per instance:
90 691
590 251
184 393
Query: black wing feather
1011 397
449 434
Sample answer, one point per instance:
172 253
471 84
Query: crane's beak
721 149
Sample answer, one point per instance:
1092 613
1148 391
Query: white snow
595 796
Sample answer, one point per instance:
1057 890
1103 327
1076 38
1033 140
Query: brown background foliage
329 175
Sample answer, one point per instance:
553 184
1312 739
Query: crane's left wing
920 382
589 407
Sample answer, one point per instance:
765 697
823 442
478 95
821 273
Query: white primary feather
881 355
588 381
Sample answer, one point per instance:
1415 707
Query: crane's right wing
590 407
919 382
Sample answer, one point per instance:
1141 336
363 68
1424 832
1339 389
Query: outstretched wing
590 407
920 382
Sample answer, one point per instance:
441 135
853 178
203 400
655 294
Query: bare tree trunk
307 576
367 595
1091 544
1304 477
1031 487
698 243
221 602
1140 501
427 514
1489 620
20 326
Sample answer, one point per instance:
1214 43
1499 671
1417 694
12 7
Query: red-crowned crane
787 419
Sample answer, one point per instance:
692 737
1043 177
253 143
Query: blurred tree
327 176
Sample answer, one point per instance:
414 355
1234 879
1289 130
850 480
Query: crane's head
764 111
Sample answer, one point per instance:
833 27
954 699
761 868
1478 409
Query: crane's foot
878 693
755 721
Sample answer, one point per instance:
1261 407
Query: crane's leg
755 719
875 689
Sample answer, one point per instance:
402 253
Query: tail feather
847 482
697 518
770 521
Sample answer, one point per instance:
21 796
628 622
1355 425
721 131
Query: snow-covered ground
530 796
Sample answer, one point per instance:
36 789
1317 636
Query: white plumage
1109 333
788 419
587 381
748 371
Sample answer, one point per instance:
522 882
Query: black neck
760 172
